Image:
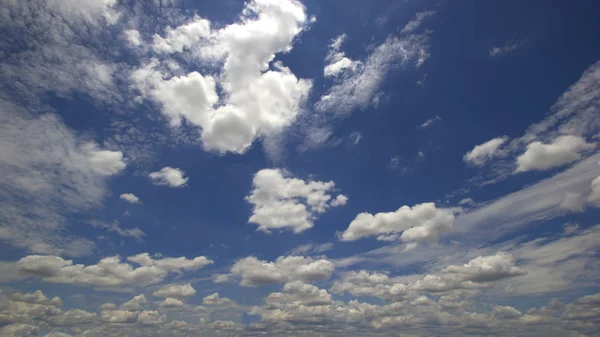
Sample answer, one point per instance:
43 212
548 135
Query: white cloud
150 317
253 272
176 291
594 196
283 202
130 197
508 47
170 303
172 264
118 316
137 303
36 297
487 268
58 57
431 121
134 233
168 176
48 173
73 317
485 152
422 222
573 202
415 23
561 151
310 248
110 272
361 80
299 293
514 210
215 299
336 63
259 98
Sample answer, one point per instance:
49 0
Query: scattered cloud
485 152
175 291
131 198
507 48
284 202
168 176
431 121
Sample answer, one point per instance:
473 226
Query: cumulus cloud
48 173
284 202
421 223
336 62
170 303
215 299
110 272
259 98
484 152
487 268
253 272
561 151
168 176
131 198
137 303
176 291
172 264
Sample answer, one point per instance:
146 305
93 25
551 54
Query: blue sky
288 168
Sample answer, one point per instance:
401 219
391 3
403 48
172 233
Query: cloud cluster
420 223
110 272
47 173
253 272
245 96
284 202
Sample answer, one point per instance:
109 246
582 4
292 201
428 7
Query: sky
299 168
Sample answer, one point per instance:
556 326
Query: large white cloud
253 272
257 98
422 222
48 173
284 202
110 272
562 150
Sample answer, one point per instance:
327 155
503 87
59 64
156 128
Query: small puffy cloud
176 291
484 152
130 197
170 303
561 151
487 268
570 228
215 299
253 272
284 202
299 293
422 222
168 176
